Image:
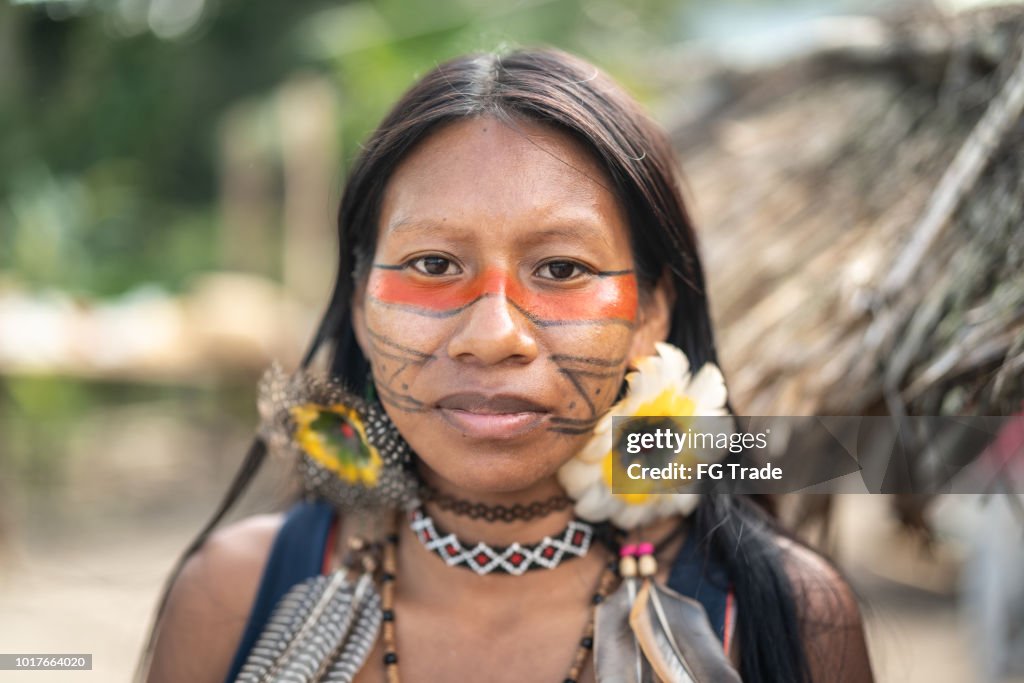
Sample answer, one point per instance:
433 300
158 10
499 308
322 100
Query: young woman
513 243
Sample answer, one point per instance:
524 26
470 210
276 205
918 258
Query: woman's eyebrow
574 230
404 226
583 233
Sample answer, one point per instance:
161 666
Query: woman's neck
472 529
426 578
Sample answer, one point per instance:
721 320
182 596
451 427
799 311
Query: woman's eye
561 270
435 265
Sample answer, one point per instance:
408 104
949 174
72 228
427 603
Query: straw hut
861 209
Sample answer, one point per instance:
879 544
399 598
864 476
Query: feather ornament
345 448
676 637
617 654
323 629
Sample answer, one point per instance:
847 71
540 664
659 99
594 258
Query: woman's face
501 309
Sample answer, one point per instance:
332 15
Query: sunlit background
169 174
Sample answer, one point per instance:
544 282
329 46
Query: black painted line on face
591 373
384 339
579 389
427 312
391 379
399 397
572 431
404 360
575 421
539 322
542 322
402 357
588 360
396 405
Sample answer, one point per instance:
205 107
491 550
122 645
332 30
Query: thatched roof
862 215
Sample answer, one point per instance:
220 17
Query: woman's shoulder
830 615
822 589
210 601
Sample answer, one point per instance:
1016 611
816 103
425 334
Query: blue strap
297 554
694 575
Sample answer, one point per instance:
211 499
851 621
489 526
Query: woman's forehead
484 171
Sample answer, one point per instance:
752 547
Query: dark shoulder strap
696 576
296 555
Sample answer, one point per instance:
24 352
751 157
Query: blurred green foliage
110 110
41 416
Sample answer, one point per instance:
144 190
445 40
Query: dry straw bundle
862 214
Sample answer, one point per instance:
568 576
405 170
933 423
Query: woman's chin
486 473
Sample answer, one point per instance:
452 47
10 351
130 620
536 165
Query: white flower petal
708 388
597 504
582 477
674 362
596 454
577 476
632 516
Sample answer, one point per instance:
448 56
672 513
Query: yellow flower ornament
661 386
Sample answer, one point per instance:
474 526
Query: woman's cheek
399 338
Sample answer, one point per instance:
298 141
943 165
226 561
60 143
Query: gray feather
617 654
677 638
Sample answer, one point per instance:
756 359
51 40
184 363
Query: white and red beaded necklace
515 559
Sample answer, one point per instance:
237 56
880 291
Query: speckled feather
279 392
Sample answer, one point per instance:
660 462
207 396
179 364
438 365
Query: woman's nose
492 331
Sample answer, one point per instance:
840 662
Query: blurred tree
110 111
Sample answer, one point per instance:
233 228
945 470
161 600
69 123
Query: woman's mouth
500 416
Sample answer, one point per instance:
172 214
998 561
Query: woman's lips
491 417
492 425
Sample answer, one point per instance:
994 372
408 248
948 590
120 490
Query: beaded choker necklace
494 513
515 559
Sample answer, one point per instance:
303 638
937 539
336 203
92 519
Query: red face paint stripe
394 287
610 297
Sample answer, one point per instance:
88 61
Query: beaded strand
387 590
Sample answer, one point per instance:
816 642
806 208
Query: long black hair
557 89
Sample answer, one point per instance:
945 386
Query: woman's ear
654 318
